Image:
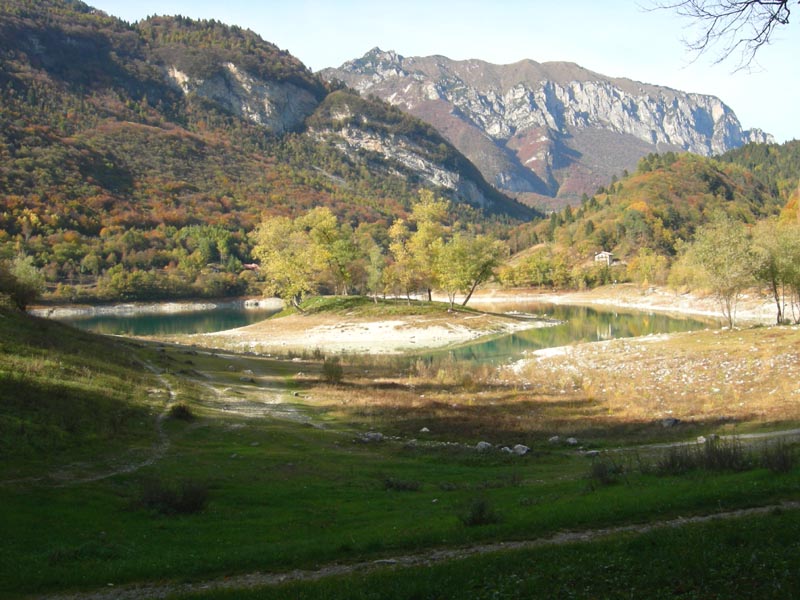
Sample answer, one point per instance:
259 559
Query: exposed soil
334 333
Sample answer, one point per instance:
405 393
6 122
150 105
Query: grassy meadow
136 463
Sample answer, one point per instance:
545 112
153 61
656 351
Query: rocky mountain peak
376 62
550 130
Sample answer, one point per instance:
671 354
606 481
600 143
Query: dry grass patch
711 376
617 390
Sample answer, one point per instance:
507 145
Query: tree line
316 252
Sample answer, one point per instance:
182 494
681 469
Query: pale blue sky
613 37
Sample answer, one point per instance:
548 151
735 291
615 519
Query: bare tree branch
736 26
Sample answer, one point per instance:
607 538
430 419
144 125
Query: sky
617 38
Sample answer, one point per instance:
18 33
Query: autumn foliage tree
290 260
722 253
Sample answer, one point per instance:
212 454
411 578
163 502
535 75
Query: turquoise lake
574 324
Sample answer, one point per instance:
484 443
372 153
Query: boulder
520 449
571 441
554 440
372 436
506 450
483 446
424 430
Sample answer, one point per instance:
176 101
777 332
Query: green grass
363 306
64 394
280 495
304 497
754 558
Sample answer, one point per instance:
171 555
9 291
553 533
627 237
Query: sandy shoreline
753 308
335 334
340 334
152 308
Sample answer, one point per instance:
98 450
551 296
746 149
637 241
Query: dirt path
75 473
244 401
427 558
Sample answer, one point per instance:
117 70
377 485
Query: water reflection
575 324
204 321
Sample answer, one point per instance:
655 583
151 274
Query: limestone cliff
552 129
278 106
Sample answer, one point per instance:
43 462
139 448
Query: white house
604 256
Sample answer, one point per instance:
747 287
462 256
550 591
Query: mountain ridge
518 122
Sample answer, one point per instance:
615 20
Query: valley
523 330
382 466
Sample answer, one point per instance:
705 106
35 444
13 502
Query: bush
181 411
778 457
332 371
182 498
719 455
713 455
677 461
479 512
605 472
20 281
401 485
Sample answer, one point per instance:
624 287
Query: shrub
778 457
181 411
332 371
719 455
182 498
479 512
401 485
605 472
20 281
677 460
713 455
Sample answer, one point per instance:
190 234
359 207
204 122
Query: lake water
575 324
173 323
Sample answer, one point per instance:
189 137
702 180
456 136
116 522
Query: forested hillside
646 218
777 166
136 159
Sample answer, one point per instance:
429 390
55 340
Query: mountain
157 146
546 132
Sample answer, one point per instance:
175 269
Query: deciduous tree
21 281
737 26
290 260
722 251
466 261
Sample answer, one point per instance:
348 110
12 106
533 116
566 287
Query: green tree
466 261
290 260
428 214
21 281
776 246
376 266
647 267
401 273
723 252
335 245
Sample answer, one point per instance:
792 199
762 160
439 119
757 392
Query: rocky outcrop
370 130
532 128
278 106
